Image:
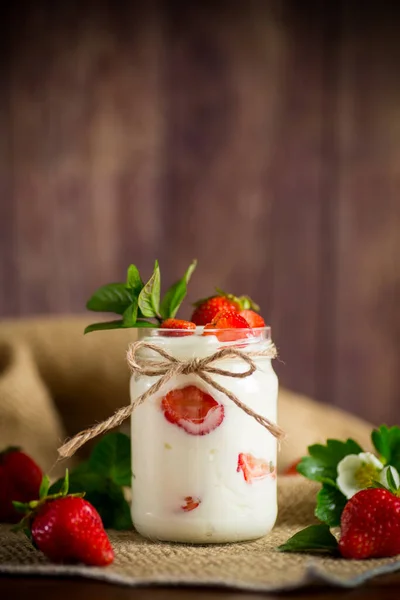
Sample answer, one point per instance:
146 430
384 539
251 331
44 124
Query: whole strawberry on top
370 525
227 321
20 479
207 308
66 528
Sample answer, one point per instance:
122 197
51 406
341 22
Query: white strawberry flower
358 471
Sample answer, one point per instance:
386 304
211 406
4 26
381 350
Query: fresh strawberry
178 324
190 503
210 307
229 320
193 410
66 528
20 479
292 469
253 468
254 319
70 529
370 525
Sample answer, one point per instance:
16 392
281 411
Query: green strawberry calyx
29 509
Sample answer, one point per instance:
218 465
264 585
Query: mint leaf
149 297
114 297
104 325
133 279
111 457
175 295
315 538
387 442
330 505
130 315
322 463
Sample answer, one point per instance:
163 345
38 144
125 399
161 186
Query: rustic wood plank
85 136
222 64
368 293
296 179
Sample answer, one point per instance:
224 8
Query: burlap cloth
54 382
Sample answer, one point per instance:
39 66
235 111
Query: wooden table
13 588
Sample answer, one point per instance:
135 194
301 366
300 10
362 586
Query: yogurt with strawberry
204 471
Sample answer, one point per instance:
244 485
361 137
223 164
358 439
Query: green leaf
390 480
105 495
104 325
321 464
21 507
111 457
113 297
143 323
330 505
133 279
44 486
65 484
315 538
176 293
387 442
149 297
130 315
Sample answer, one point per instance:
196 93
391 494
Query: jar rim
248 332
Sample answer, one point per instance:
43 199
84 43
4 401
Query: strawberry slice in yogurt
193 410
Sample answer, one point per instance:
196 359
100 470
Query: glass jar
204 471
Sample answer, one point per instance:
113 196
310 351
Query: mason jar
203 470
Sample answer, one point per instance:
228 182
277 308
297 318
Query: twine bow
165 370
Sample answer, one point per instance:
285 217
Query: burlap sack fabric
55 382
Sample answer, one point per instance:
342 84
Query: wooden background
262 137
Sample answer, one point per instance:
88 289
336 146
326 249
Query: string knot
165 366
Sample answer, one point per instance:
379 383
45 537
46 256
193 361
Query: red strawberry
370 525
228 319
190 503
254 468
193 410
178 324
207 309
20 479
292 469
70 529
253 318
66 528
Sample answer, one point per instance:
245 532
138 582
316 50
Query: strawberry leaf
104 325
176 293
321 464
330 505
315 538
111 457
149 297
387 442
114 297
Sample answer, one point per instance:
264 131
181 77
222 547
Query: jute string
171 367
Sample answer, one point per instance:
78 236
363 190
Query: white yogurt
170 465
